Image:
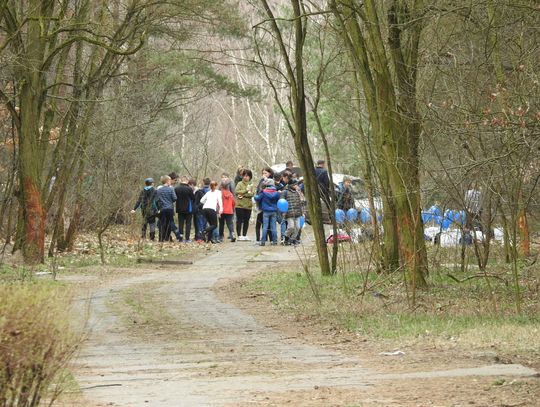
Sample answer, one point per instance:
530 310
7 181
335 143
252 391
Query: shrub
36 342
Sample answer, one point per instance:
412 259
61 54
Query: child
147 203
295 198
267 173
200 220
166 197
345 198
267 199
184 207
244 205
282 181
228 210
212 206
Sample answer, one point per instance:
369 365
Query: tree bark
391 105
302 143
30 149
298 126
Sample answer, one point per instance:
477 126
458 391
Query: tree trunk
33 242
335 246
301 142
298 128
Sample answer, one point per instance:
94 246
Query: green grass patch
478 311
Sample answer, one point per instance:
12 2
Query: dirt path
194 350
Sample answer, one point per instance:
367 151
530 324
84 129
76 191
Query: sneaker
261 243
233 239
246 238
274 243
188 241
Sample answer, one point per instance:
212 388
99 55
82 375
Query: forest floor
191 335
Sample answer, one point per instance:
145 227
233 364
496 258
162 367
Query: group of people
212 205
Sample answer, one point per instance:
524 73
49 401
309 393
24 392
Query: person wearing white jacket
212 207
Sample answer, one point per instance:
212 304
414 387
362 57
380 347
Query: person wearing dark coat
185 203
345 196
323 181
147 203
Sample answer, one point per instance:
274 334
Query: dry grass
478 312
37 342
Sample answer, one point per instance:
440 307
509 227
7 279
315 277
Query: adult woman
212 206
244 205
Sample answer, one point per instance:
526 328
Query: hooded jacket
147 202
228 202
267 199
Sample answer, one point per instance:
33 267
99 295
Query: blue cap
151 180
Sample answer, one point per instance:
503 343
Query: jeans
200 224
258 227
226 218
269 219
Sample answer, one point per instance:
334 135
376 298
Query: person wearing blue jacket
267 199
166 197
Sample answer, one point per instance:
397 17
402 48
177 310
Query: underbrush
473 308
121 250
37 342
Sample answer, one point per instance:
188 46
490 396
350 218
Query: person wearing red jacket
227 216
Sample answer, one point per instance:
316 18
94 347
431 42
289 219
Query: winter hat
269 183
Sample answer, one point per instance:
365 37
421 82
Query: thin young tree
293 61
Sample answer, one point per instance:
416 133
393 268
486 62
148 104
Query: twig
476 276
102 385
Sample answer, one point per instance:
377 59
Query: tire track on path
225 356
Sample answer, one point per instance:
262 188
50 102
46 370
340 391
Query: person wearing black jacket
184 207
200 221
323 181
